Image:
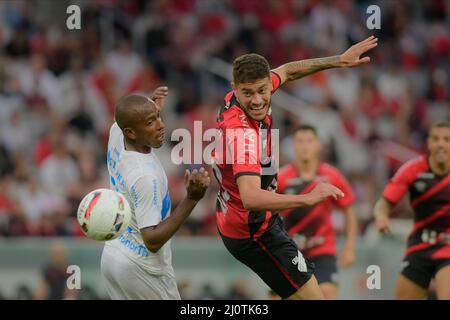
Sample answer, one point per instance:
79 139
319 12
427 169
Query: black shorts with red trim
274 257
326 270
421 269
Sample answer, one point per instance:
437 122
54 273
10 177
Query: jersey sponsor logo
129 243
420 186
426 175
294 182
135 197
300 262
404 265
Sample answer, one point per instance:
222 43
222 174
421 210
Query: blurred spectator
59 171
58 90
38 82
53 283
24 293
124 63
238 291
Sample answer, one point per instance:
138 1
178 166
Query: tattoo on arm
298 69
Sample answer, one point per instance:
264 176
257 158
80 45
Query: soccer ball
104 214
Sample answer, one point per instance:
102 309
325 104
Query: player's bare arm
256 199
381 215
350 58
196 183
347 256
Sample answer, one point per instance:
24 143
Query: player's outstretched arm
256 199
196 184
381 215
350 58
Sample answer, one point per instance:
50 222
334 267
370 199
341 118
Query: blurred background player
247 204
427 181
311 227
138 264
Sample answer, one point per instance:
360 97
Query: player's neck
439 168
308 168
129 146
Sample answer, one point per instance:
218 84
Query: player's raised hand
322 191
351 57
196 183
159 94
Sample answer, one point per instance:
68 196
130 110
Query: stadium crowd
58 88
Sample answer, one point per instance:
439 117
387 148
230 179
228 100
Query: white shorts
125 280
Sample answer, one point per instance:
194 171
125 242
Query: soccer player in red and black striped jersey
427 180
311 227
247 203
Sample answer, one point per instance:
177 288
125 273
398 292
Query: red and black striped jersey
312 227
244 147
430 199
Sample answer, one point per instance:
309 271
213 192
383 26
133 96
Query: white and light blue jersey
141 179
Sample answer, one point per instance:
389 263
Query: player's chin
258 115
157 143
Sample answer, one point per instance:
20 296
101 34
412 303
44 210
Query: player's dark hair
440 124
306 127
250 67
124 109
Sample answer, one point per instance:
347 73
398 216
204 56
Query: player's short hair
250 67
440 124
306 127
123 114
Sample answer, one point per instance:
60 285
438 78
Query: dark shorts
274 257
421 270
325 268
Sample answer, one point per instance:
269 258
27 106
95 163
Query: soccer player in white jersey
138 264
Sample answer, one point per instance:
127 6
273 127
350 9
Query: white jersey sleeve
146 196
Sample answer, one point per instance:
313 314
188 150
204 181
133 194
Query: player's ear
233 85
129 133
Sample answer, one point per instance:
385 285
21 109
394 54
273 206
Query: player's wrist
305 200
192 199
340 62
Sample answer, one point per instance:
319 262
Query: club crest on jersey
420 186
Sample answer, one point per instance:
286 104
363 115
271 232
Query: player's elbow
250 203
152 247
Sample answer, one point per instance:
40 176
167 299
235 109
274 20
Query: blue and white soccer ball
104 214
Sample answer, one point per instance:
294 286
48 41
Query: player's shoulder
413 165
287 171
417 163
134 166
234 117
329 170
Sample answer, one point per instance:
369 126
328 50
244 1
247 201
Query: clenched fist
196 183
